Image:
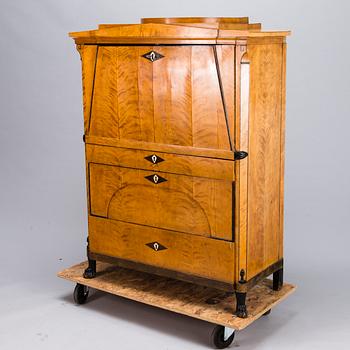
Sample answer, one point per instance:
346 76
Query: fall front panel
172 97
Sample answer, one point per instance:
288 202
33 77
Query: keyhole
152 56
155 179
156 246
154 159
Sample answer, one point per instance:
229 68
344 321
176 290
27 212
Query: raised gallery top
177 30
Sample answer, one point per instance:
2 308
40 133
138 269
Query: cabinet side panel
264 160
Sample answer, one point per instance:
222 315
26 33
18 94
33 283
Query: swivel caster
80 293
222 337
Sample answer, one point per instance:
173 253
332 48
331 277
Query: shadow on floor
167 322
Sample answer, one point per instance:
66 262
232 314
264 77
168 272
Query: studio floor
37 314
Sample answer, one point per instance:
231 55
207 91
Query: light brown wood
282 147
264 161
171 163
204 205
191 20
156 147
180 297
237 23
146 33
88 57
219 87
226 71
189 254
182 105
193 30
241 167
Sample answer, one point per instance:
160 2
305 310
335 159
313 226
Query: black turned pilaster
241 308
278 279
90 271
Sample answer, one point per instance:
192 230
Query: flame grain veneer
184 138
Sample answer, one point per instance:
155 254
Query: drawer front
194 255
161 161
193 205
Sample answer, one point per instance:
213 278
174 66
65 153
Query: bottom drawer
192 255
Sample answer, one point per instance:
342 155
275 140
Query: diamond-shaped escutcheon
156 179
153 56
156 246
154 159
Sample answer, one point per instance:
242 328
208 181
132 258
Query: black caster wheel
222 337
267 312
80 294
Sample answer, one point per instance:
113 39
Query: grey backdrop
42 198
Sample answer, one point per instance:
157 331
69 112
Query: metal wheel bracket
228 332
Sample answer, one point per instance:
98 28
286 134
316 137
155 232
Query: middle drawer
182 203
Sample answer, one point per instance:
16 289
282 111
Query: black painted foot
278 279
241 308
90 271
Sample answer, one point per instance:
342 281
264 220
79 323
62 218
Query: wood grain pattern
206 101
88 59
172 96
241 167
282 147
156 147
264 159
226 58
172 163
105 102
236 23
205 31
145 81
127 93
189 254
204 205
180 297
183 104
174 108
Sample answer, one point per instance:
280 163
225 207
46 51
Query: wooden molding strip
165 148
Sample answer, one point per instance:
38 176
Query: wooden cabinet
184 140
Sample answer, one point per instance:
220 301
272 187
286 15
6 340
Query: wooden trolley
204 303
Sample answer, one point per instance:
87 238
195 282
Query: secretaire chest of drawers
184 140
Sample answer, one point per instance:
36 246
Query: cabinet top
178 30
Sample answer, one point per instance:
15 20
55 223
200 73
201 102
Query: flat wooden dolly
208 304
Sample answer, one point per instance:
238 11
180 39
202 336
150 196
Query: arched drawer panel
181 203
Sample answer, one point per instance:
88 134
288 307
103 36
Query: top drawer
161 161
